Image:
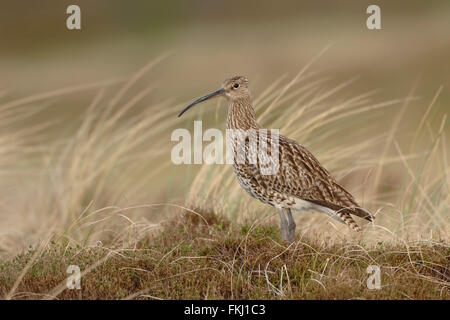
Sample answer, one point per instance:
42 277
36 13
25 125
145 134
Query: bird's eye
236 85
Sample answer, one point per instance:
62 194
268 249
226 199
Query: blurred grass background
206 42
211 40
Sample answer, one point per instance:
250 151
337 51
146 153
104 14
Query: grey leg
283 225
291 226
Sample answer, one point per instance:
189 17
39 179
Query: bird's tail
363 213
347 219
342 215
350 208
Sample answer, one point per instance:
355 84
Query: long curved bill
208 96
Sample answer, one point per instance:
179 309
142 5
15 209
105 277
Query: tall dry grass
111 179
76 187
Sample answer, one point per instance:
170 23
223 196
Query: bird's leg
283 224
291 226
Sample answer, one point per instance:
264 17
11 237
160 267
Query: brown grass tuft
203 256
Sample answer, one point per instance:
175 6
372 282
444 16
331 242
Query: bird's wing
301 175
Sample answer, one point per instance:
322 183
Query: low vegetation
202 256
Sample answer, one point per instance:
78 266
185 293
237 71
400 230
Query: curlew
299 182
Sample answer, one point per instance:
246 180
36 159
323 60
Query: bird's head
236 87
232 88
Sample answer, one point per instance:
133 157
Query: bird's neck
241 114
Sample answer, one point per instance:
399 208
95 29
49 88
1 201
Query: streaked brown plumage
300 182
